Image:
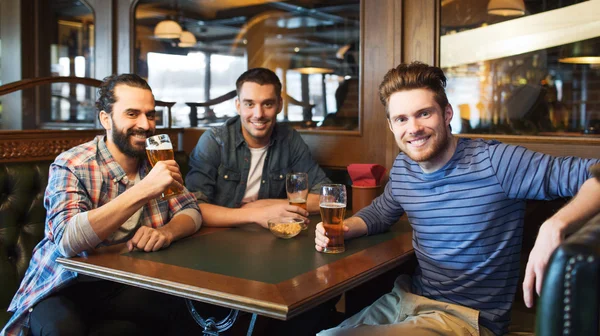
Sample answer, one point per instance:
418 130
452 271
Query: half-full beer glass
333 209
296 185
159 148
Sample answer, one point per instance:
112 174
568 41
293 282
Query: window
512 74
311 45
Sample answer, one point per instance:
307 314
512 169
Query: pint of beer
333 209
159 148
296 186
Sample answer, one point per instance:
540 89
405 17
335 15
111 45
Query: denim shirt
220 163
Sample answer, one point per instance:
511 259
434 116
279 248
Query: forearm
312 204
109 217
356 227
183 224
264 202
218 216
582 207
78 236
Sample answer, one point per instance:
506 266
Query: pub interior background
509 74
513 77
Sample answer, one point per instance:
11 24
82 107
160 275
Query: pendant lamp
167 29
506 7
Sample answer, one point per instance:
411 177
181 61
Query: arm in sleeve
65 199
204 164
302 161
382 213
525 174
78 236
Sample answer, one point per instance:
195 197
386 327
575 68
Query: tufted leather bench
22 216
570 299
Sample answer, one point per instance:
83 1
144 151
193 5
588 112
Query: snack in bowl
285 227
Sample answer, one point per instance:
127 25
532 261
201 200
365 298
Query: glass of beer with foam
296 185
159 148
332 201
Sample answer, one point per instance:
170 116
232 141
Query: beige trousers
403 313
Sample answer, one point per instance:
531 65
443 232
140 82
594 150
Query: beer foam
161 146
332 205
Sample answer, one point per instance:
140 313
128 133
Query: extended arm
353 227
183 224
312 203
552 233
214 215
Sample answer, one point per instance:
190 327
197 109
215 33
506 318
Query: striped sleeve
383 212
525 174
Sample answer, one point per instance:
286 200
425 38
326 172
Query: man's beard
439 145
123 143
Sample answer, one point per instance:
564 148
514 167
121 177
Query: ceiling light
307 66
581 52
167 29
506 7
187 40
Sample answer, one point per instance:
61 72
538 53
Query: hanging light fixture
305 65
581 52
167 29
506 7
187 39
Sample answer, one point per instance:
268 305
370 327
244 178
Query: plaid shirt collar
114 168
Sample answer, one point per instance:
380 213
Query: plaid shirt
81 179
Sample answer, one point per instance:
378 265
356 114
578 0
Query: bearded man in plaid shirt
101 193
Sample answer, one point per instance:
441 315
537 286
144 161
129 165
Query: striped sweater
467 219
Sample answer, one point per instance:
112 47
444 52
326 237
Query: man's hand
164 174
321 240
279 210
149 239
546 242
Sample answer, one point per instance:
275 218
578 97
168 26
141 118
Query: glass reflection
508 74
71 55
311 45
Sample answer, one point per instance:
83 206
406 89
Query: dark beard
122 142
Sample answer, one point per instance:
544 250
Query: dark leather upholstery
22 215
569 302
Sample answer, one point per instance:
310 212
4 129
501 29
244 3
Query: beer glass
159 148
296 185
332 201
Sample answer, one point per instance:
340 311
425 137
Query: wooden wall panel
38 145
420 34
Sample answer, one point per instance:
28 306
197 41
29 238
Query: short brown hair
415 75
260 76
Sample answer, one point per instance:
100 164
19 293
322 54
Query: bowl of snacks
285 227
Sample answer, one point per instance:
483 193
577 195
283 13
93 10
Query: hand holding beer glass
296 185
333 209
159 148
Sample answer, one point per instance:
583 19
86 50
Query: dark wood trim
585 147
40 145
33 82
592 140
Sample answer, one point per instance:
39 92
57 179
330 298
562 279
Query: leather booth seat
570 299
22 215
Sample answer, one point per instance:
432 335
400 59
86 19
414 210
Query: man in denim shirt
237 171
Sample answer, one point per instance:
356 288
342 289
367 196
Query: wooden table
249 269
